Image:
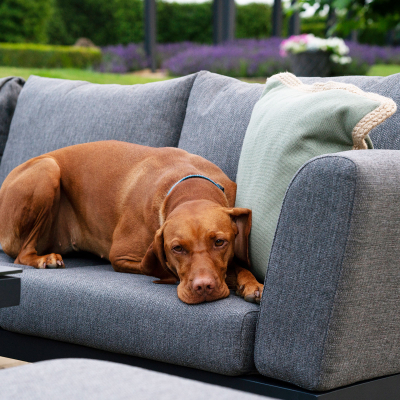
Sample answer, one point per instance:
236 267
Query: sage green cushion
290 124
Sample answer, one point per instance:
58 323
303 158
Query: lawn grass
131 79
77 74
384 70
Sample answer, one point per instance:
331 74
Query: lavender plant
121 59
239 58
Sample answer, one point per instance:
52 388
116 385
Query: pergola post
294 22
150 32
217 21
223 20
229 20
331 20
277 18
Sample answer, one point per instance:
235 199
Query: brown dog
119 200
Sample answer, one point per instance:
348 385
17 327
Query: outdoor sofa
329 316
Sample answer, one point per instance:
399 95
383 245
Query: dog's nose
203 285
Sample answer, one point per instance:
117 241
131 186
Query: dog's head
195 245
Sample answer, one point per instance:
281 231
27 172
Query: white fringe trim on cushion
386 108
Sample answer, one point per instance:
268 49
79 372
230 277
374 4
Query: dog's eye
219 242
177 249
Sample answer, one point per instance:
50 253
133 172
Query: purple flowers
239 58
121 59
374 54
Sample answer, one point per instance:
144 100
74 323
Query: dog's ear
154 264
242 218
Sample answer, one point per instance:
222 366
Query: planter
311 63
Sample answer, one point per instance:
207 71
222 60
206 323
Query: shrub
184 22
111 22
45 56
240 58
374 54
254 21
121 59
24 20
104 22
314 24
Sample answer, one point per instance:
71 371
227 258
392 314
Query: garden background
39 35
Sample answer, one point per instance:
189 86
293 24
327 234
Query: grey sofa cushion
217 115
387 134
330 311
126 313
73 379
54 113
9 91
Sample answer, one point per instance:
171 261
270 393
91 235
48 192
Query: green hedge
253 20
110 22
45 56
25 20
314 24
184 22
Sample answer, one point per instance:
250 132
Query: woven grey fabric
72 379
54 113
387 134
330 312
9 91
217 115
128 314
74 260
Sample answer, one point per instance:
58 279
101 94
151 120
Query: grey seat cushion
54 113
217 115
129 314
387 134
9 91
72 379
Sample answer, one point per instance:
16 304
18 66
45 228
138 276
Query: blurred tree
357 14
93 19
315 24
253 21
129 26
102 21
25 20
110 22
184 22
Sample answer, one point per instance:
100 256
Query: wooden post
229 20
294 22
331 20
150 32
277 18
217 21
224 16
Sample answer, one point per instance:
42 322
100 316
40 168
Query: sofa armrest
10 88
330 313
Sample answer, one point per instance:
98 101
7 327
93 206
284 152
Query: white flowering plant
308 42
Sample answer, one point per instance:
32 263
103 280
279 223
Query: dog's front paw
251 292
50 261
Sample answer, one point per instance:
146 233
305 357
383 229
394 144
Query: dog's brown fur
110 198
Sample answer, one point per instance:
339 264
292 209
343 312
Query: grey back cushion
217 115
9 91
219 111
54 113
387 134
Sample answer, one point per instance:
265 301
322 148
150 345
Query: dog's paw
251 292
50 261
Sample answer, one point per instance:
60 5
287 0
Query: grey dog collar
196 176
